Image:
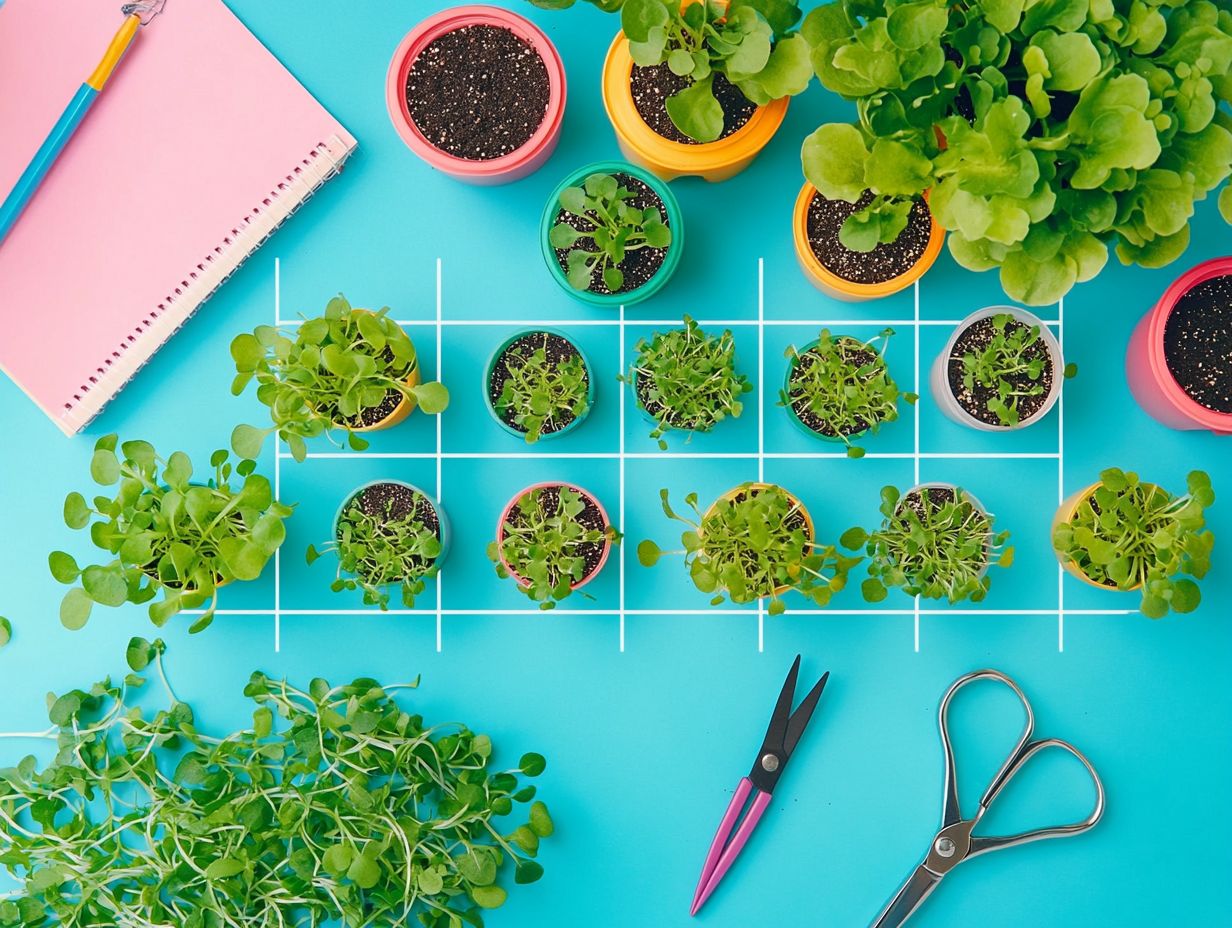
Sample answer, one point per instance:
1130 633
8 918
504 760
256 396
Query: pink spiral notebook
201 146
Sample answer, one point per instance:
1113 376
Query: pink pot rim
1158 362
451 20
500 525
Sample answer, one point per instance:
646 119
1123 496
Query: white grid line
715 323
277 479
621 553
916 453
761 418
1060 471
679 455
663 613
440 488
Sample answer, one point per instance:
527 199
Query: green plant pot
446 533
487 380
675 221
791 366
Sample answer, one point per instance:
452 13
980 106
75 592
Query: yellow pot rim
742 144
1065 512
810 528
829 280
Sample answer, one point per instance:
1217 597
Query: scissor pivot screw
945 847
770 763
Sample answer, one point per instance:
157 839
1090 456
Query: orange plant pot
731 494
830 283
712 161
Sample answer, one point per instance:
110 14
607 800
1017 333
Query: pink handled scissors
784 733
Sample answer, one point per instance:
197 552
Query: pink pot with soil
500 529
458 37
1164 372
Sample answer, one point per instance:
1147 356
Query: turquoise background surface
648 705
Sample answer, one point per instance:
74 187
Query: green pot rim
446 534
500 349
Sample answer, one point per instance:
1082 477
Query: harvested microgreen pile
337 806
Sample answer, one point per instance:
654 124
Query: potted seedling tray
538 384
1179 361
479 93
386 533
612 234
1001 369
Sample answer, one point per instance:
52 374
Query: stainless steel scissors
955 843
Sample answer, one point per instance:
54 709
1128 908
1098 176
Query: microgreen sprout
551 540
6 631
1009 367
337 806
167 533
540 389
752 543
606 228
840 387
687 379
935 542
386 543
344 370
1127 535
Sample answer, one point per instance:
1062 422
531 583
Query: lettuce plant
326 376
167 533
1048 132
1128 534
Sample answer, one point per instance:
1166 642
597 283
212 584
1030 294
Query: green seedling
689 380
378 550
935 548
753 544
323 376
539 395
1128 535
544 542
337 806
1046 133
844 383
166 533
1015 351
611 228
6 631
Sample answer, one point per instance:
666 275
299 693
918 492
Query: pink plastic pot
500 528
1150 380
513 166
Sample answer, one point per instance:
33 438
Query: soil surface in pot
394 502
857 355
975 338
885 262
478 93
652 86
591 518
557 349
1198 343
639 266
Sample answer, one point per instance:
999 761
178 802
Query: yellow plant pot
404 407
1065 512
830 283
712 161
809 528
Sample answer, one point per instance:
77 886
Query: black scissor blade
800 718
776 734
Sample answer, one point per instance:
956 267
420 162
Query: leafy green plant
541 395
1129 535
1047 132
687 379
6 631
843 385
750 544
336 372
935 542
609 223
166 533
1015 351
379 549
550 541
337 806
750 42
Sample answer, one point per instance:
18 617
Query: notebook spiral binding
321 164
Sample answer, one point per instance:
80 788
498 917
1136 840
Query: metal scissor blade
800 718
919 886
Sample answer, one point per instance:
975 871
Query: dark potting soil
976 337
856 358
1198 343
394 502
479 92
885 262
638 266
653 85
557 349
591 518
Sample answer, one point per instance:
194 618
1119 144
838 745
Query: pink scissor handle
723 853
